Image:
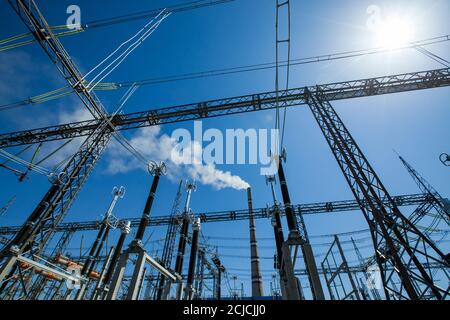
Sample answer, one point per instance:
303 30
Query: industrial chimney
257 284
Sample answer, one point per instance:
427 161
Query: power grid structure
408 261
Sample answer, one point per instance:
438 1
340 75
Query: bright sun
394 32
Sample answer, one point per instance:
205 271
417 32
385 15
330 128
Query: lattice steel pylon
50 211
441 205
56 202
53 207
398 242
169 241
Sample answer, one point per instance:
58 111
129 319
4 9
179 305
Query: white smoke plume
161 147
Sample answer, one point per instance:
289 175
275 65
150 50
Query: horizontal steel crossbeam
235 105
312 208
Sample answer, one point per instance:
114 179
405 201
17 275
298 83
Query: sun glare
394 32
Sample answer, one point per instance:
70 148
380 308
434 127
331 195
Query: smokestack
257 285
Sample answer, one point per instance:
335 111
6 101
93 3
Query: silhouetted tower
189 291
391 231
441 205
288 282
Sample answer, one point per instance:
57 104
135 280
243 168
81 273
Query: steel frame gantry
235 215
235 105
397 241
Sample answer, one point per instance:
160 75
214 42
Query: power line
64 91
18 40
272 65
182 7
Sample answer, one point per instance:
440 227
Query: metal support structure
236 215
42 222
218 277
108 222
257 284
190 187
235 105
334 265
39 284
7 206
298 237
189 290
136 246
125 230
96 291
200 274
396 240
156 171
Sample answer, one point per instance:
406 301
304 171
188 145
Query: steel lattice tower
397 241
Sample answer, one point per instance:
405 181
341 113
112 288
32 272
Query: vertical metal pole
183 237
146 213
133 289
294 236
288 282
125 229
219 284
102 274
118 276
121 265
344 261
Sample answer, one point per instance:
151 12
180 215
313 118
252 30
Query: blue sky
240 33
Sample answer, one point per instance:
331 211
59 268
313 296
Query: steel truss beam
397 241
30 15
335 260
232 215
235 105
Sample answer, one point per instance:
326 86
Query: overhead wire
64 91
142 35
11 42
433 56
